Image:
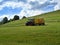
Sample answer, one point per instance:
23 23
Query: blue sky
9 8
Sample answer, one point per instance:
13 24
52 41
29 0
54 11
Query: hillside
16 33
48 17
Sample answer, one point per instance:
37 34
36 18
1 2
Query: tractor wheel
39 24
29 24
43 24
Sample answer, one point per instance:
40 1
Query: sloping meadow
16 33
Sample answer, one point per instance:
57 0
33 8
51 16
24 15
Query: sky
9 8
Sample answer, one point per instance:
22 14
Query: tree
5 20
16 17
0 23
23 17
10 20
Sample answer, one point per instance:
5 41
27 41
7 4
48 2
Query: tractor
35 21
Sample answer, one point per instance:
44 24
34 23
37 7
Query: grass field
16 33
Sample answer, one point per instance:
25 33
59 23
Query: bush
5 20
16 17
23 17
0 23
10 20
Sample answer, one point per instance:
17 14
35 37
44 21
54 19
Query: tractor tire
43 24
29 24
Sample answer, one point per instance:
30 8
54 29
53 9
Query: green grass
16 33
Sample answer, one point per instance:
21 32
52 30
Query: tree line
5 19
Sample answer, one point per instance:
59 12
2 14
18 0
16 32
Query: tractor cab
30 22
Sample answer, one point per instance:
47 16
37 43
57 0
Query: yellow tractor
35 21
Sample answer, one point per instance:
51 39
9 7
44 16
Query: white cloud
29 13
1 17
1 0
4 16
33 13
1 7
41 1
31 0
52 1
8 16
14 0
11 4
26 7
57 7
14 4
